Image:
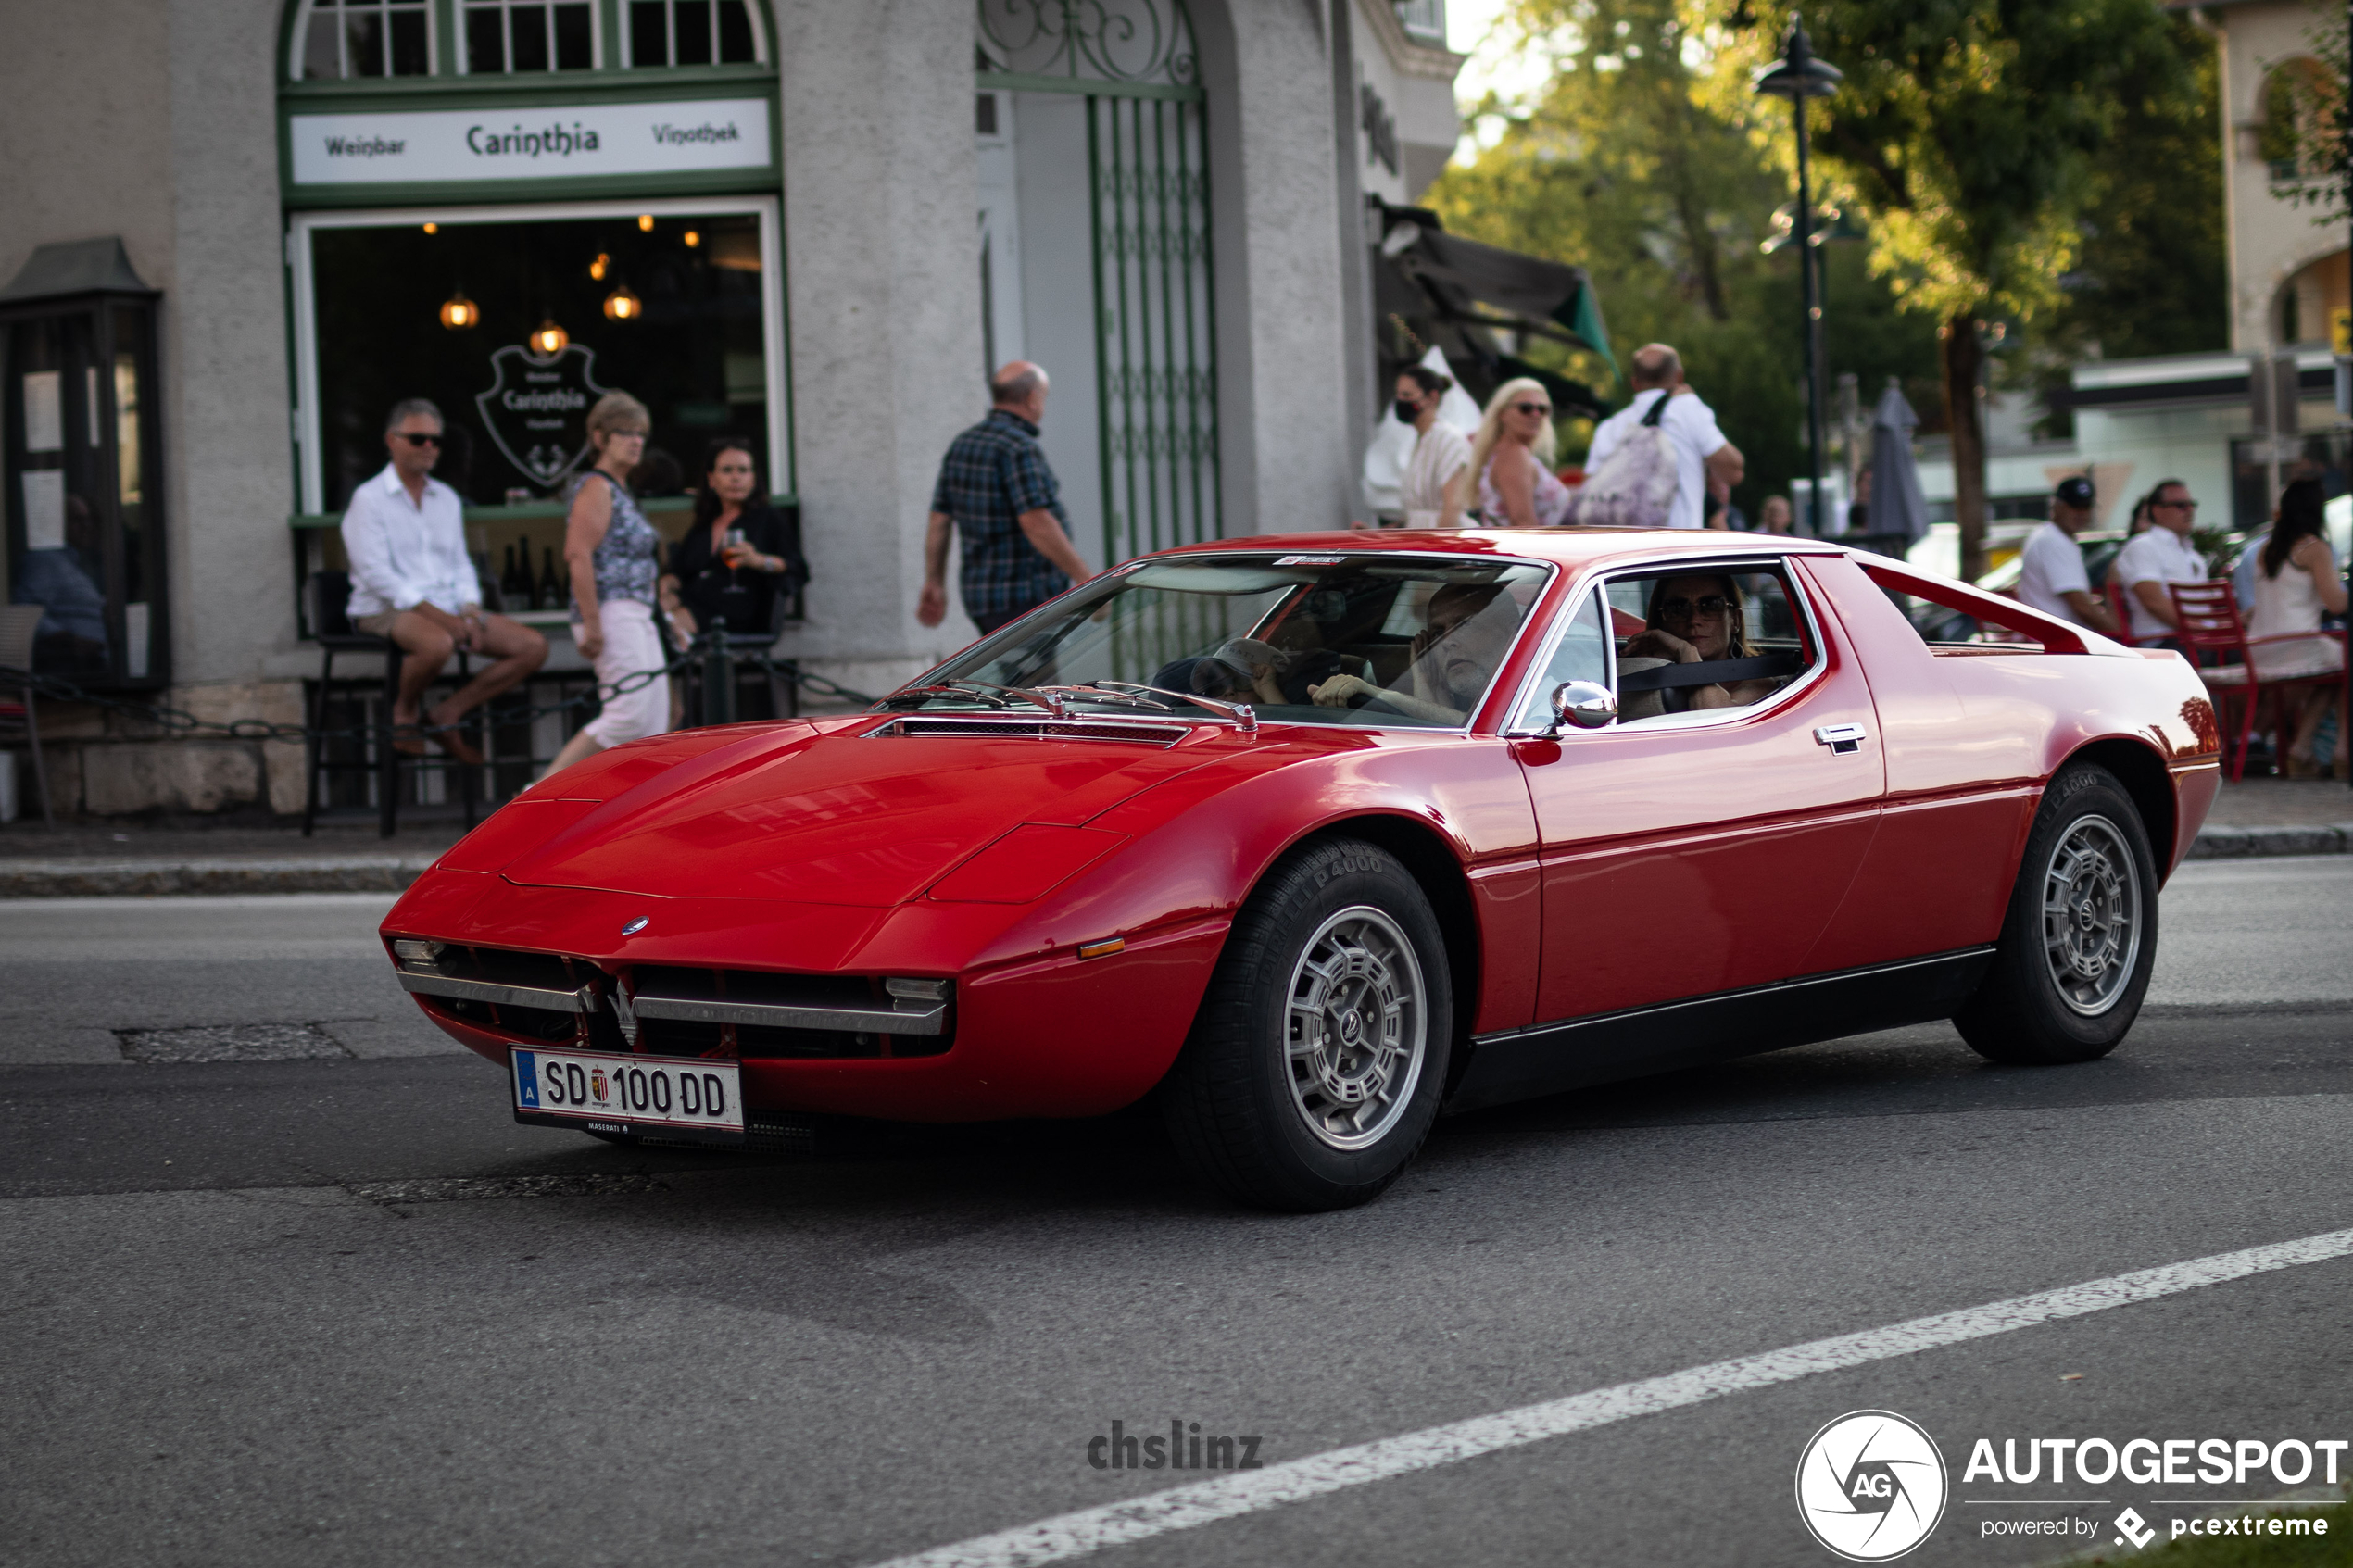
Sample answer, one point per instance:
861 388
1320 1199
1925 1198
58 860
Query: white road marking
1135 1518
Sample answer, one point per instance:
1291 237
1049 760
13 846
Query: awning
1459 294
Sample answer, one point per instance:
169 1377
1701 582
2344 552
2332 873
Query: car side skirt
1573 1053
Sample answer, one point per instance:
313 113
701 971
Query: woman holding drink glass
739 556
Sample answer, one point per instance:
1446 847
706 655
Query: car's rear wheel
2080 935
1315 1067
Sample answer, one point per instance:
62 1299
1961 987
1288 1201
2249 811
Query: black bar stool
331 627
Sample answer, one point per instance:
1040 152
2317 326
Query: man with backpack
1652 461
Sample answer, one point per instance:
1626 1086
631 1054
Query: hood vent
987 726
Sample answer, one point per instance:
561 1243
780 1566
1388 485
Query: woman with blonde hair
613 555
1513 457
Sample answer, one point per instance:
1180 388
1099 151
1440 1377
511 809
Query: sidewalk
248 855
2277 817
251 855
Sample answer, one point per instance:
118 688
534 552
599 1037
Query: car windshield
1360 639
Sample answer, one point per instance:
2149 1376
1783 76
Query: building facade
807 225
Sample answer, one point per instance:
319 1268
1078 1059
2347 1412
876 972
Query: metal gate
1156 328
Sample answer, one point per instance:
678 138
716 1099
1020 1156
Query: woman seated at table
710 576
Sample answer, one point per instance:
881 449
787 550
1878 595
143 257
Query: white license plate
629 1094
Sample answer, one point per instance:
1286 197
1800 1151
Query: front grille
537 1023
679 1011
865 1022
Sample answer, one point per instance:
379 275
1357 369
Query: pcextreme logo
1871 1485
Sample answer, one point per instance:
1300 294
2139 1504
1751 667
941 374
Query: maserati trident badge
636 926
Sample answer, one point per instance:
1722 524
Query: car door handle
1841 738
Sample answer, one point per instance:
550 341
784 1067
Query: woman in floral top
614 553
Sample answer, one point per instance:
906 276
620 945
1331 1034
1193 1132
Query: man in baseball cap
2054 580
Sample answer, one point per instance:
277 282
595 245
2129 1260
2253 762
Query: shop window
513 35
692 32
344 39
672 307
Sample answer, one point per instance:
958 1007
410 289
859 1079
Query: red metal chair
2210 627
2120 605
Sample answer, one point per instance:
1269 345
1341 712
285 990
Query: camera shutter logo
1871 1485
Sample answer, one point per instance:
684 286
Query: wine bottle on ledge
514 582
552 592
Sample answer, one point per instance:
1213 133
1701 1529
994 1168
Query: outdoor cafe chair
2211 630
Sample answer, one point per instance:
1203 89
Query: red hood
838 818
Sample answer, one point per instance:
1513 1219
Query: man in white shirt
1702 455
412 580
2053 579
2162 555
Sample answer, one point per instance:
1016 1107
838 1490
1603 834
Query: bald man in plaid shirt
996 491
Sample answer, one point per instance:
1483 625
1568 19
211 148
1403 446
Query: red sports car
1313 838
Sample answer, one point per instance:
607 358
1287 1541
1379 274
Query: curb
150 879
2233 844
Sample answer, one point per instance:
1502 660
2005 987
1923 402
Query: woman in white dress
2296 581
1438 477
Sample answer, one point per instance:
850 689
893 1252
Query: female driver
1696 620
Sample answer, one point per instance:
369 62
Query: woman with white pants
614 557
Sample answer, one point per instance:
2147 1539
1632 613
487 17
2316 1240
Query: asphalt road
333 1305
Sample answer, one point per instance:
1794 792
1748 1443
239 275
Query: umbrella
1897 506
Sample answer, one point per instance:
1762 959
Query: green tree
1631 164
1966 133
2153 276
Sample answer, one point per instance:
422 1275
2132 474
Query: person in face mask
1438 477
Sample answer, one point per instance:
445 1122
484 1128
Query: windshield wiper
921 694
1091 691
1240 713
1051 705
977 691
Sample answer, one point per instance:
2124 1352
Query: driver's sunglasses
1681 609
1533 407
418 440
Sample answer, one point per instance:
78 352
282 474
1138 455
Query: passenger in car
1698 620
1469 629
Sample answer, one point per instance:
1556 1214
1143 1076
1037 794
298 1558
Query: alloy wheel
1356 1030
2090 915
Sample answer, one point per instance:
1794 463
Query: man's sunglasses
1680 610
418 440
1533 407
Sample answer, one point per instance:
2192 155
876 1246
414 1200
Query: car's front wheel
1315 1069
2081 937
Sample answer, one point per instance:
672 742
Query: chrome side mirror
1583 705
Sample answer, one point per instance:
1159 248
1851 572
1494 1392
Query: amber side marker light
1103 949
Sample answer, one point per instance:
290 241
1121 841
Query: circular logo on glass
1871 1485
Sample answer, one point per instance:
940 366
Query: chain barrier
179 721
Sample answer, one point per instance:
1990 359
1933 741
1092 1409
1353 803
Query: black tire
1278 1130
2080 935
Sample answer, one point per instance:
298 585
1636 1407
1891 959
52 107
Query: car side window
1582 654
1697 639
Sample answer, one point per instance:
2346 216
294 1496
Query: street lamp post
1798 77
